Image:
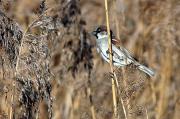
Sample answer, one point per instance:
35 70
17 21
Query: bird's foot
111 74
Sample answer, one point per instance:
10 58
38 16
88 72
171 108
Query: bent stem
118 36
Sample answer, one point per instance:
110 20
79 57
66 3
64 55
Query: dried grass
58 73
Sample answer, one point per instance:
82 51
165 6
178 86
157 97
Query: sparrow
121 56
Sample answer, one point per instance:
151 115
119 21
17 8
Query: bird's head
101 32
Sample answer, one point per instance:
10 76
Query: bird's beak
93 33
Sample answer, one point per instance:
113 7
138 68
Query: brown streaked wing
116 42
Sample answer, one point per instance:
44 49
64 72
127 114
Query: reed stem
111 59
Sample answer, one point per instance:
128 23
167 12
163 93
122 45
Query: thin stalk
119 93
111 59
146 114
118 37
90 99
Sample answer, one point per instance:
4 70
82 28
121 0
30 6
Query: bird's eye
99 30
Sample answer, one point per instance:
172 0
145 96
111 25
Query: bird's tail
147 70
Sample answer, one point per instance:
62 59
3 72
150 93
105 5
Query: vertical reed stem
111 59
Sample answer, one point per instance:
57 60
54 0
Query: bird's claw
107 52
111 74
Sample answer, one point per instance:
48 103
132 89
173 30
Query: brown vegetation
49 66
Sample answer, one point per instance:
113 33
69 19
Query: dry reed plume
49 67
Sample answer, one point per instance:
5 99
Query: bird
120 56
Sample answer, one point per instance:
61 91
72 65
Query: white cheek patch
101 36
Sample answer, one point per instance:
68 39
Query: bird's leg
107 52
111 74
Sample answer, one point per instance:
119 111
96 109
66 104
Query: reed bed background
49 66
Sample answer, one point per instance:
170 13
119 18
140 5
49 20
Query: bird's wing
115 55
115 42
119 56
127 53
